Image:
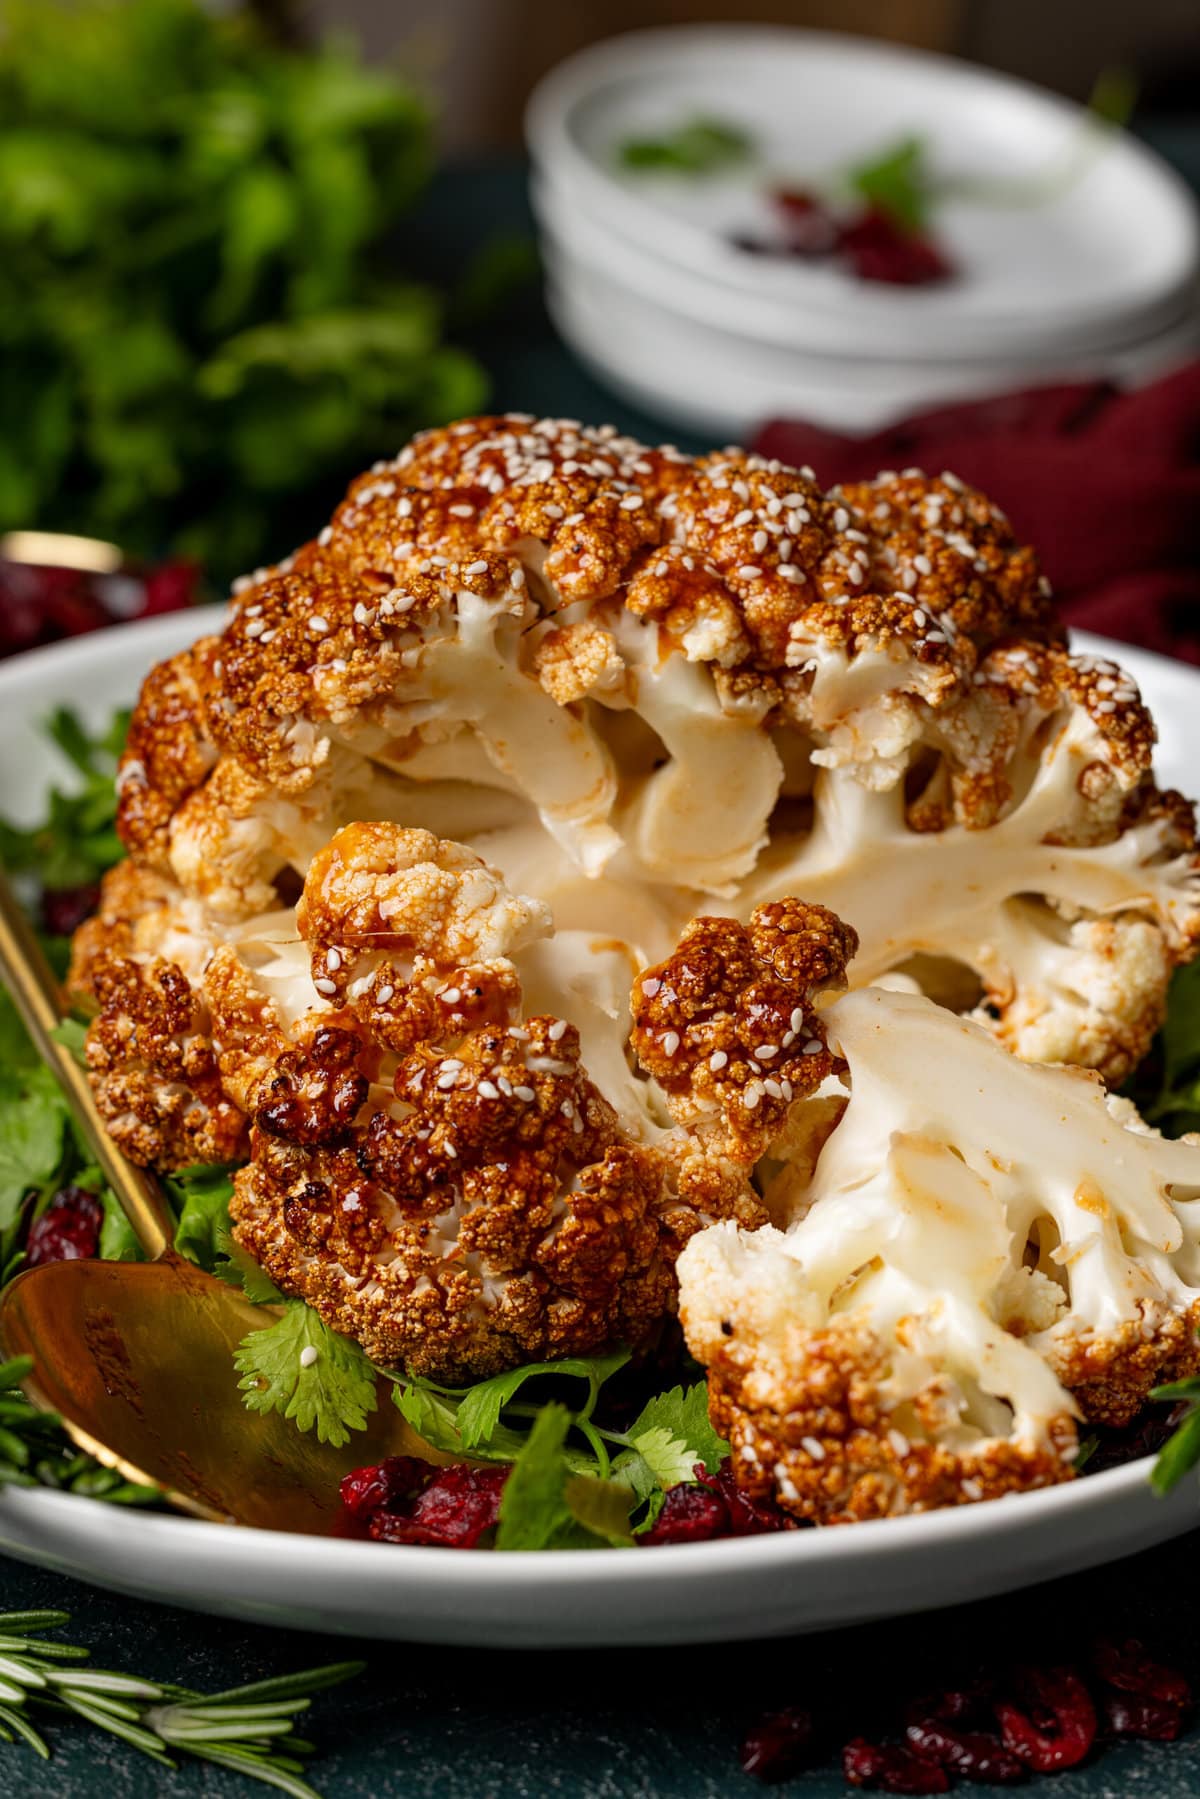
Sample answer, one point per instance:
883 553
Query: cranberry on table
779 1745
67 1231
1049 1721
891 1768
971 1754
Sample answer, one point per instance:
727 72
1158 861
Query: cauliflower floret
583 657
1032 852
979 1253
438 1172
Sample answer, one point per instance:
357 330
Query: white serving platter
762 1586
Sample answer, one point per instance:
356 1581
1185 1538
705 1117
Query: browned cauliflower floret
726 1025
976 1254
151 1059
440 1174
582 657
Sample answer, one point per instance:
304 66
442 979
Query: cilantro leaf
682 1416
1178 1455
76 840
71 1033
601 1507
200 1195
33 1122
479 1412
117 1240
700 146
239 1269
332 1394
435 1413
898 183
533 1509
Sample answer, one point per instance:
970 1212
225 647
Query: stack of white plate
645 279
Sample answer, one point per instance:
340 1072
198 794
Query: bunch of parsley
200 336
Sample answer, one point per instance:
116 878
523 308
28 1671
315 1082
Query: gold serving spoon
136 1357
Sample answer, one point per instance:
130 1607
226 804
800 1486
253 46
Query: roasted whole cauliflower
640 684
978 1254
463 1184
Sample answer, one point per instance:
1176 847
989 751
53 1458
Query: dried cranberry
1127 1666
455 1511
67 1231
881 250
811 228
1137 1715
65 908
779 1745
748 1516
690 1514
369 1490
892 1767
1051 1723
973 1754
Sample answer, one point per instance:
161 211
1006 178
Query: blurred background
247 248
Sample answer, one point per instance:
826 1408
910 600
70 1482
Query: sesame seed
774 1089
318 625
446 1081
325 987
743 518
255 628
670 1043
558 1030
972 1489
717 1060
797 1020
795 499
505 1086
384 993
650 987
923 565
749 571
841 518
813 1449
898 1441
451 995
489 1090
308 1355
765 1051
476 568
631 502
790 572
525 1093
463 510
751 1096
812 1049
333 958
760 540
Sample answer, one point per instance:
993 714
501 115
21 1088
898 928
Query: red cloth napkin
1106 485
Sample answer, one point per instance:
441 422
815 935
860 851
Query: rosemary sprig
248 1729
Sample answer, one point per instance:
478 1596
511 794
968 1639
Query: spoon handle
36 994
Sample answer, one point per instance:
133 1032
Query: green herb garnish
202 337
699 147
249 1730
310 1373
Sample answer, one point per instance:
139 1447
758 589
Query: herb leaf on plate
311 1374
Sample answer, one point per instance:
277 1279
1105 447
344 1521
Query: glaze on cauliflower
638 683
443 1174
978 1253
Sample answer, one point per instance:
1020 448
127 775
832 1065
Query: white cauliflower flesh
630 680
982 1252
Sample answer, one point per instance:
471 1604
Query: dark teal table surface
427 1723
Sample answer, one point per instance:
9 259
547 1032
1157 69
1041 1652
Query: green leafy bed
202 333
593 1447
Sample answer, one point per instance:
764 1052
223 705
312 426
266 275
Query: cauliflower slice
981 1252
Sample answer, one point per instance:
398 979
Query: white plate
1104 259
710 381
761 1586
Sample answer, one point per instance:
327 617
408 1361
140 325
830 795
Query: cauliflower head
639 683
462 1183
975 1256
